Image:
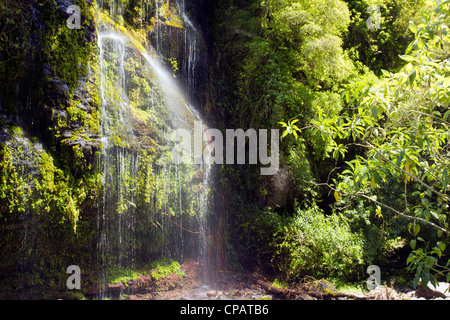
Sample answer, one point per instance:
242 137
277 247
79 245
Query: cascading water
118 163
180 111
190 48
147 211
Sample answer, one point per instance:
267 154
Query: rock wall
50 122
52 192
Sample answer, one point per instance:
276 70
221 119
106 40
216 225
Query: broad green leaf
407 58
416 279
374 111
386 73
373 183
434 214
412 76
446 115
412 27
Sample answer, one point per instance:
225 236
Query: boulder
324 287
428 293
211 293
304 296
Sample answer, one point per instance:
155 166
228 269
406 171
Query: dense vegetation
358 89
364 116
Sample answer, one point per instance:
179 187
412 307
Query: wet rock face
48 131
183 49
59 113
46 102
63 5
54 100
167 39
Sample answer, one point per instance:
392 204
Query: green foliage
168 12
319 245
426 265
285 63
379 48
174 63
309 33
256 236
136 13
400 121
293 54
278 283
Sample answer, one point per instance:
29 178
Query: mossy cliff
57 177
50 124
142 189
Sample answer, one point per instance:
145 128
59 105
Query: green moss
52 191
124 275
169 14
48 187
58 193
15 189
174 63
279 283
74 60
162 268
67 51
348 287
135 36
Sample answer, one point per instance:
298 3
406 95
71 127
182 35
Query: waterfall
190 48
117 215
189 69
180 110
149 208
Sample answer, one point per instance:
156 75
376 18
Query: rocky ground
235 286
191 287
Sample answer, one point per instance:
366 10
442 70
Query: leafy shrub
256 237
319 245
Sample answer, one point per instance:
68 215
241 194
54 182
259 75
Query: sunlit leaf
336 195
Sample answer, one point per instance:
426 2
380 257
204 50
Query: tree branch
359 194
442 195
403 214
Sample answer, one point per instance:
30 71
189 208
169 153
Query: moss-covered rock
50 124
73 167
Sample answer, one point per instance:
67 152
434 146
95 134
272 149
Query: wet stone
211 293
